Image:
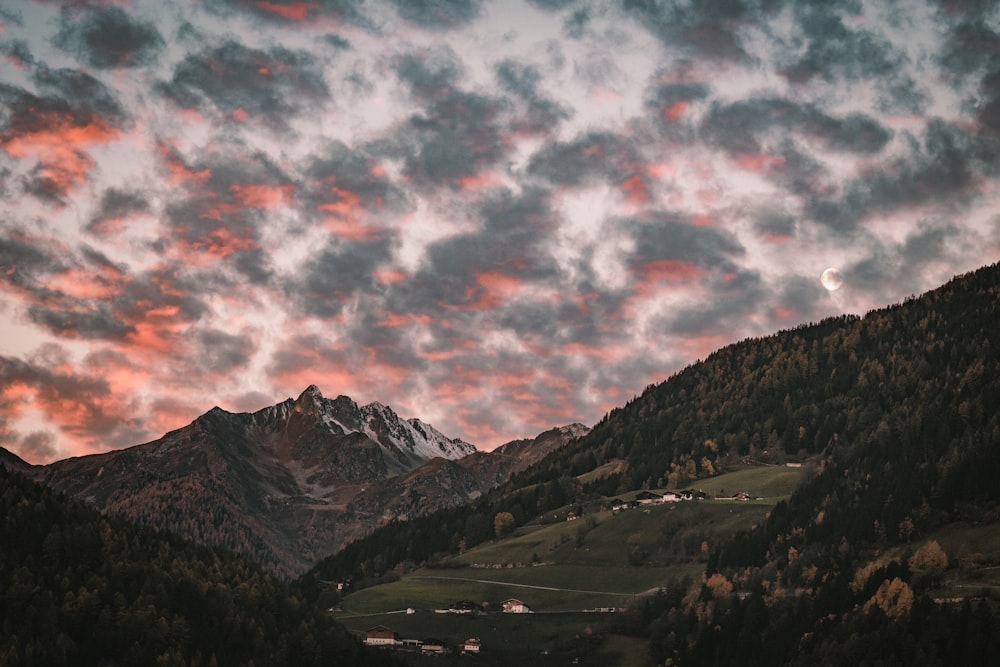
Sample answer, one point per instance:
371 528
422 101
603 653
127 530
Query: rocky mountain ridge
292 482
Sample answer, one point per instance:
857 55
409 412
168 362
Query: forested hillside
897 411
77 588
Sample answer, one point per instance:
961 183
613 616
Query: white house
380 636
513 606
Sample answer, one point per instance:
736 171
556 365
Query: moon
832 279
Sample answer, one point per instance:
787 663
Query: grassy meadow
561 569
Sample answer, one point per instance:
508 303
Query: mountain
447 483
285 485
79 588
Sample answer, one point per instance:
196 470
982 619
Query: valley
567 570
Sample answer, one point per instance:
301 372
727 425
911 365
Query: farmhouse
513 606
432 646
648 498
380 636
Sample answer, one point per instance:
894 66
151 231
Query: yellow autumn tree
503 524
719 585
894 597
930 561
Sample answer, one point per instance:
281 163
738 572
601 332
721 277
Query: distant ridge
285 485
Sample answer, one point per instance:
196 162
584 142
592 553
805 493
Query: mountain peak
309 401
312 391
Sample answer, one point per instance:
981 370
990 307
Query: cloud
942 171
298 11
835 51
541 115
438 14
455 134
591 157
57 129
709 30
223 353
115 208
752 127
224 198
238 82
23 261
970 47
349 191
82 406
334 277
106 37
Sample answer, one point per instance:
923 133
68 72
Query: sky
496 216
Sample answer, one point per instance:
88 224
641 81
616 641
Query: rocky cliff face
288 484
444 483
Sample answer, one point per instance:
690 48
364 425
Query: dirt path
540 588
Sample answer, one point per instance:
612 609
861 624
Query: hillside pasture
772 483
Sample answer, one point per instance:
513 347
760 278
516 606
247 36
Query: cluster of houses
380 635
652 498
511 606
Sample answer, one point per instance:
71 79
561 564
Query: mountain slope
290 483
78 588
266 484
447 483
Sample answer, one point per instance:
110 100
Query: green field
562 568
772 483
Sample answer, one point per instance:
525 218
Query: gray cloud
835 51
665 235
336 174
221 352
438 14
541 115
971 47
943 171
709 29
81 93
108 37
337 274
725 311
23 263
268 85
743 127
595 156
117 204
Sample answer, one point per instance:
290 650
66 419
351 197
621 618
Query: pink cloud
390 276
263 196
394 320
479 181
178 172
635 190
760 163
492 288
100 282
675 111
58 141
294 11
